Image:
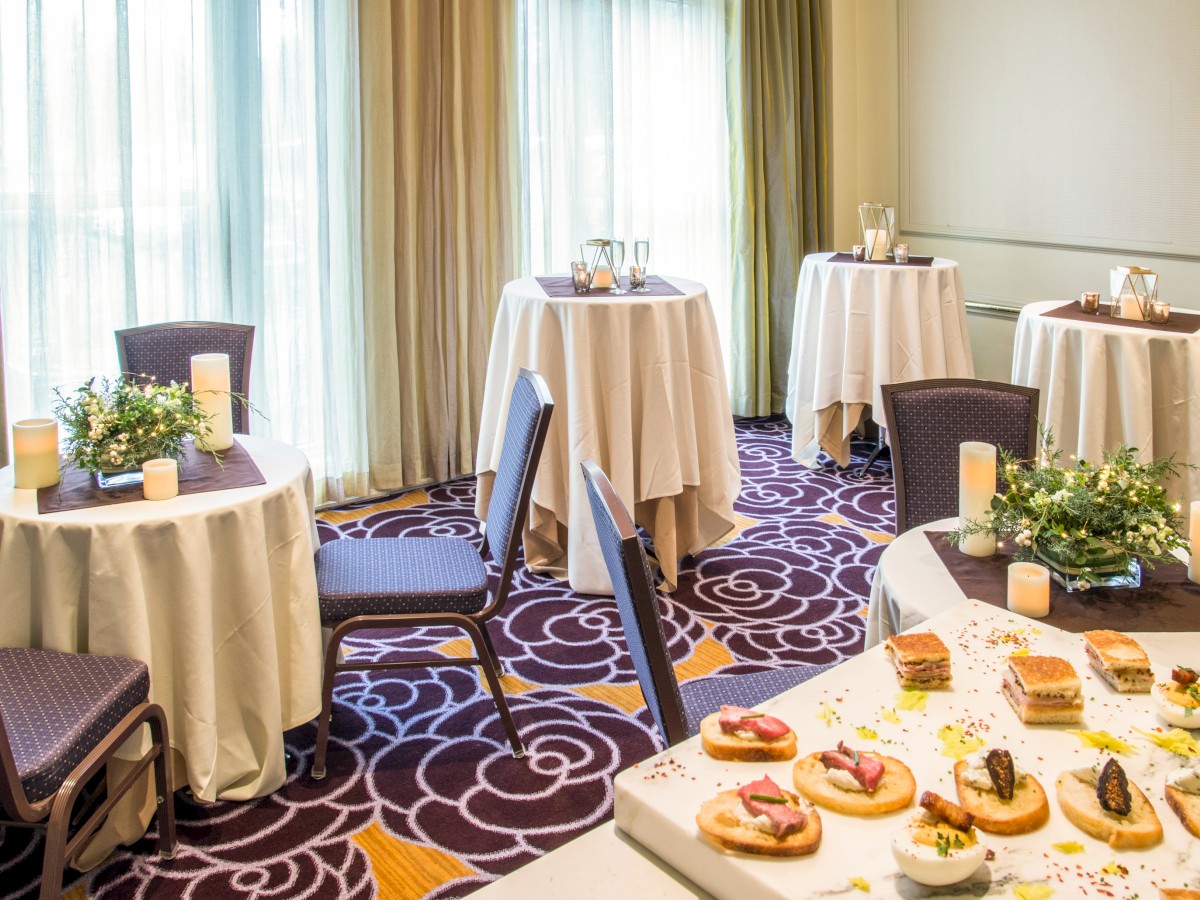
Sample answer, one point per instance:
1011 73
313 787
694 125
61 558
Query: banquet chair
927 420
62 717
677 709
410 582
164 352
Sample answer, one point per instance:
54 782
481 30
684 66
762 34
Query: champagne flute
618 259
641 255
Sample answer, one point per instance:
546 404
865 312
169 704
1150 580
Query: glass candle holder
1089 301
637 279
900 253
579 276
1160 313
860 252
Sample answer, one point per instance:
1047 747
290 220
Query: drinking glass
641 252
617 248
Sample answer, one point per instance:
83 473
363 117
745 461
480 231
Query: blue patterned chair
164 352
402 582
677 709
62 717
927 420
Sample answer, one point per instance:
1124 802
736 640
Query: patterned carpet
423 798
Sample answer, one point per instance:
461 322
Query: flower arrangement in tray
1090 524
115 425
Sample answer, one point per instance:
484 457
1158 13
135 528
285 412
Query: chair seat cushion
399 576
58 706
703 696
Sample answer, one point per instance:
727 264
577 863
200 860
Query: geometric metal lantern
878 228
1134 291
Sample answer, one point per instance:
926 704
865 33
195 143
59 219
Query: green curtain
779 184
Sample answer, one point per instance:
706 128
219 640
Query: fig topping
1004 776
1112 789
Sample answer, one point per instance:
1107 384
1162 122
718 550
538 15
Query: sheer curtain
625 134
187 160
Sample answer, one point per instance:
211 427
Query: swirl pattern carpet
423 798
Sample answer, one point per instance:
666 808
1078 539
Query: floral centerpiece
115 425
1090 524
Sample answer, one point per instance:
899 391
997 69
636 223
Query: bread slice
895 791
718 822
1178 894
924 656
1028 810
720 745
1186 806
1077 797
1119 660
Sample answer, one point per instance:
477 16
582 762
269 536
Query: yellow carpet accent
740 524
404 501
403 870
862 611
463 648
709 654
877 537
75 893
627 697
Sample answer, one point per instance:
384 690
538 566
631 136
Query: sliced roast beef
785 819
736 718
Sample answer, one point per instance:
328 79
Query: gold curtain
779 184
440 172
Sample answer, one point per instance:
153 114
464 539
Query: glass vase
1109 569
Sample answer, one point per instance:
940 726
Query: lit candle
1130 308
210 384
35 453
1029 589
160 479
976 487
877 242
1194 542
602 277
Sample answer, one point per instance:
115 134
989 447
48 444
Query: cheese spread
1186 777
843 779
976 773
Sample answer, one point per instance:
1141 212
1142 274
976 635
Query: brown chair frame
57 808
889 412
474 624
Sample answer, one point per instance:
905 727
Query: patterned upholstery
395 576
58 706
165 352
703 696
520 428
927 425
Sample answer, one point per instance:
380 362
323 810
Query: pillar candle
877 242
160 479
602 277
210 384
976 487
35 453
1130 308
1029 589
1194 542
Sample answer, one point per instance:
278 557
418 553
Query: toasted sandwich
921 660
1120 660
1043 690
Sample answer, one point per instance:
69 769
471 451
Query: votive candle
160 479
210 385
1194 542
35 453
976 487
1029 589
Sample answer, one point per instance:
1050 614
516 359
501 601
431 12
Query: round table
859 325
216 592
1103 384
639 386
910 584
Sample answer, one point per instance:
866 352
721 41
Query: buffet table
859 325
1104 383
214 591
639 386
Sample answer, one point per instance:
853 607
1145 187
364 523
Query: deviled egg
934 853
1178 700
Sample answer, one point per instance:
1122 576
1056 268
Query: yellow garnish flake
826 714
889 715
1035 631
1102 740
956 743
1177 741
911 700
862 884
1068 847
867 734
1112 868
1024 651
1038 891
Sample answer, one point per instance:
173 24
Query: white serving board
656 800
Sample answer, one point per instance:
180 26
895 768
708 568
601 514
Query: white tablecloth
859 326
639 386
215 591
1105 384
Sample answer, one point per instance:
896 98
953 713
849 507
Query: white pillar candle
1194 542
35 453
1130 308
160 479
210 384
602 277
976 487
1029 589
877 242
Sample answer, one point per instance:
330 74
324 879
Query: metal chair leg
331 656
481 650
497 662
875 452
165 812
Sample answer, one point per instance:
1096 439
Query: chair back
529 410
927 420
165 350
637 602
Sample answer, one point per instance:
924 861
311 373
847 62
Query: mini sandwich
743 735
921 660
1119 660
1043 690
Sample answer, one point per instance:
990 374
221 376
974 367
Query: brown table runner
1166 601
198 472
1179 323
562 286
842 256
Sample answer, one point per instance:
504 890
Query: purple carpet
423 798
